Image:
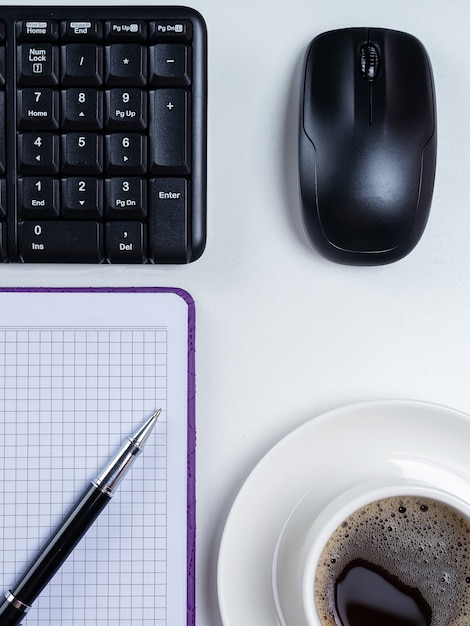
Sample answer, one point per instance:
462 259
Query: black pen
18 600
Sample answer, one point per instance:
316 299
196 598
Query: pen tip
140 437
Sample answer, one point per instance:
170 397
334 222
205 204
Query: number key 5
82 153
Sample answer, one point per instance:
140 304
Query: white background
283 335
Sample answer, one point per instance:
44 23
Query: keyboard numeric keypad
105 126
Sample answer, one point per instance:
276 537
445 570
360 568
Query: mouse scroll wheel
370 63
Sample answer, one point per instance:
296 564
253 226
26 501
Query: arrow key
82 198
82 109
126 153
38 153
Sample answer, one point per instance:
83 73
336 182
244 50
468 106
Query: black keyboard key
126 154
38 64
82 64
126 109
125 242
126 198
38 108
126 30
82 30
38 153
2 133
82 109
82 198
171 30
37 30
60 241
3 225
38 198
3 198
126 64
168 222
170 132
170 65
2 65
82 154
3 242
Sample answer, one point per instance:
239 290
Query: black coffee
401 561
366 595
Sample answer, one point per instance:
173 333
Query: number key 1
38 197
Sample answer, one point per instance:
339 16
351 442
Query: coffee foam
422 542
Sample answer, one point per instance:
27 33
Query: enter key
168 220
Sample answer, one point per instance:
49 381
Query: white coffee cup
307 531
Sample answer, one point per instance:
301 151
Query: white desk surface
282 334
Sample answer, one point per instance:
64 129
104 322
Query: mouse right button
405 92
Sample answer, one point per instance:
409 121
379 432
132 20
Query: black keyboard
102 134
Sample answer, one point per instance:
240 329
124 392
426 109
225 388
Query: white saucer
329 454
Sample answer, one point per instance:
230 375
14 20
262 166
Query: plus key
170 133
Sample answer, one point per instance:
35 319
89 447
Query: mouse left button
331 93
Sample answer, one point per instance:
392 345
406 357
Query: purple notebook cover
191 471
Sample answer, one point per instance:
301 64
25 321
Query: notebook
80 370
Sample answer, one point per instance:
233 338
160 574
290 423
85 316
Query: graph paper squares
68 398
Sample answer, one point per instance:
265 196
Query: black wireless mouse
367 144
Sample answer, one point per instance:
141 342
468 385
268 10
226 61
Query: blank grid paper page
69 396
